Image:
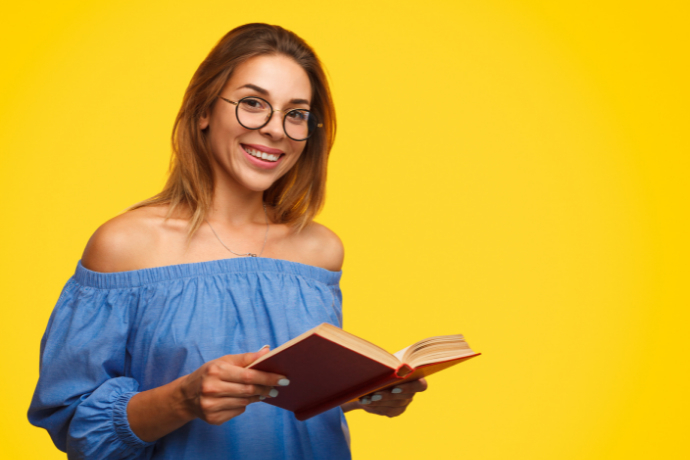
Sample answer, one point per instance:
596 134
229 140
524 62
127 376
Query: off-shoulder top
112 335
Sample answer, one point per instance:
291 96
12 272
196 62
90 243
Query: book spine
403 371
355 393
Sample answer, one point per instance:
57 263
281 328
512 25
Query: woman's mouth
262 156
272 157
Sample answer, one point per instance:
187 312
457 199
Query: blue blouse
112 335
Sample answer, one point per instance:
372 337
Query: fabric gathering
112 335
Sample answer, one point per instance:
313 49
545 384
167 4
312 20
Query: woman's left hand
390 402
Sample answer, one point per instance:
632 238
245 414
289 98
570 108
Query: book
328 367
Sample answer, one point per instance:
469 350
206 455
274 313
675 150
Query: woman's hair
296 197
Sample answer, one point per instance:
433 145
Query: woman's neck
236 206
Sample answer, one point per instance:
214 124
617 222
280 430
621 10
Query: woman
144 355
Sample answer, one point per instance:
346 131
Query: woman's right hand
216 392
222 389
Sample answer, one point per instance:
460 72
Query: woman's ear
203 120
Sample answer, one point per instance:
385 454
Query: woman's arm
216 392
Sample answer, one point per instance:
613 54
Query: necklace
249 254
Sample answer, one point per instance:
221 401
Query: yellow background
512 170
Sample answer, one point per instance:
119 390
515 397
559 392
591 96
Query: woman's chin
258 184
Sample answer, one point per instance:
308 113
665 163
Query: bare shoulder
125 242
321 247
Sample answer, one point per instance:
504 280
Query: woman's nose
274 127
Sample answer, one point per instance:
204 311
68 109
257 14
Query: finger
408 388
381 398
390 403
402 391
373 397
414 386
262 351
227 369
220 417
211 406
387 411
245 359
387 396
223 389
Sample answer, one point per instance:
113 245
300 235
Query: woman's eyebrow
265 92
258 89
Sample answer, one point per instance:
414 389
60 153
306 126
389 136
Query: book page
400 354
435 350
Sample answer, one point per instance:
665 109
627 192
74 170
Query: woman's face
237 150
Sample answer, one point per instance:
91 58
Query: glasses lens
299 124
253 112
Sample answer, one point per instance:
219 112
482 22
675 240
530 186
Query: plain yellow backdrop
512 170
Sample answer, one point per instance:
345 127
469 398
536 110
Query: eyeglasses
254 113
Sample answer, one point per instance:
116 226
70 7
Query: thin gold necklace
249 254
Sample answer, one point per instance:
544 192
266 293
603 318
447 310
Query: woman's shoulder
144 238
130 240
320 246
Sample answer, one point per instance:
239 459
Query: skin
221 389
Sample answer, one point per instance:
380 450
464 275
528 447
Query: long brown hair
297 196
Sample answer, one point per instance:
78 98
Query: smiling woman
252 60
170 298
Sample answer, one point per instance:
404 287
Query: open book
328 367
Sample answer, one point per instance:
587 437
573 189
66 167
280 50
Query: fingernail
273 393
265 346
376 398
283 382
261 398
396 390
365 400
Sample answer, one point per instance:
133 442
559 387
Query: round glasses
254 113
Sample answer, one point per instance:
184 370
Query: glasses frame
286 112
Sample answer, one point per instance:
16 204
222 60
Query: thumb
245 359
263 350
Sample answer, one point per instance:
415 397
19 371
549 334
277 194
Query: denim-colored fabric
114 334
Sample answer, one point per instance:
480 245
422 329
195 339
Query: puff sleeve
83 388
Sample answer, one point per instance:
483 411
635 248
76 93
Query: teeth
262 155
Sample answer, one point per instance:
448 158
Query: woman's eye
253 104
298 116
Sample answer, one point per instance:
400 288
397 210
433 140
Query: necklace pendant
248 254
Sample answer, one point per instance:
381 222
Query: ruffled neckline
144 276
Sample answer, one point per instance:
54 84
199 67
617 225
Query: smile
272 157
